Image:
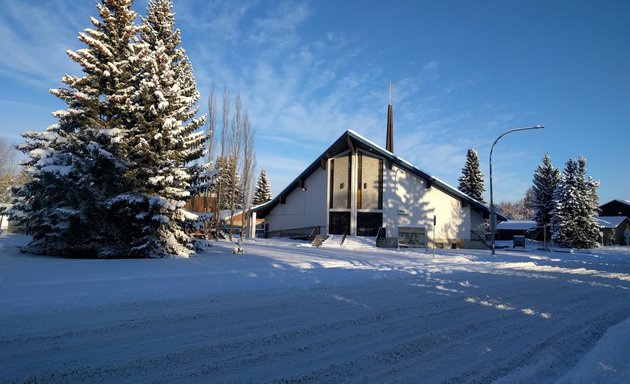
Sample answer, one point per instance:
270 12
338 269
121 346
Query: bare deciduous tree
8 170
520 210
235 161
225 121
225 118
247 173
212 123
235 141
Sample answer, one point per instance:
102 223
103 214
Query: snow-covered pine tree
45 207
76 165
471 180
573 218
590 235
164 142
566 205
263 189
110 179
546 179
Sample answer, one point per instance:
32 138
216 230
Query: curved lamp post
493 213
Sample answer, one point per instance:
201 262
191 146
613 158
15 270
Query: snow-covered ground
288 313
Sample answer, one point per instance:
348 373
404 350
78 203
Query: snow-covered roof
517 225
610 221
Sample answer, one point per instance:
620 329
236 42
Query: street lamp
493 213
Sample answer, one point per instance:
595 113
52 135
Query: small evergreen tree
573 218
546 179
263 189
471 180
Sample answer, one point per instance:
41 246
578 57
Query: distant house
236 221
358 188
613 229
615 208
506 230
203 203
202 206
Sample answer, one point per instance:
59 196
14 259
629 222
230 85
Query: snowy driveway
291 314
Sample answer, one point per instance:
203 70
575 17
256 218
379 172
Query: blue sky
463 73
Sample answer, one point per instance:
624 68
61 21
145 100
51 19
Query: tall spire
390 122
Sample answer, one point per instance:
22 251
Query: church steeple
390 122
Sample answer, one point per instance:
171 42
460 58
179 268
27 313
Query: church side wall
409 203
303 208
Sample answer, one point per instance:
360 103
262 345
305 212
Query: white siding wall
477 221
407 201
302 208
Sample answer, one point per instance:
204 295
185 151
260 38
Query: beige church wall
303 208
409 203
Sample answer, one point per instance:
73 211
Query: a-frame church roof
351 140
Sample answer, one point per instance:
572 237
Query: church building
357 188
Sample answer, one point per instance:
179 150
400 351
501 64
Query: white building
356 187
4 217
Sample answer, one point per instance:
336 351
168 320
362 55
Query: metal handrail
379 235
482 239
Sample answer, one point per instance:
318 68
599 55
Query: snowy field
288 313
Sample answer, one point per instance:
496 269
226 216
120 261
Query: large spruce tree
471 180
546 178
166 139
575 198
77 164
109 179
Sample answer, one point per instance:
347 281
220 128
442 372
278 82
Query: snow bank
607 362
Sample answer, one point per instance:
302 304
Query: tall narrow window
348 191
331 183
339 186
369 182
359 180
